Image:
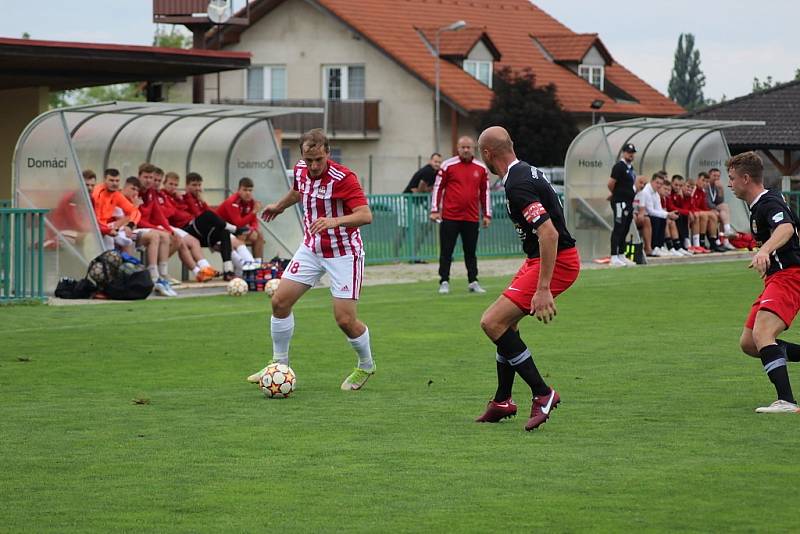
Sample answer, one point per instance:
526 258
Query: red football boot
541 408
495 411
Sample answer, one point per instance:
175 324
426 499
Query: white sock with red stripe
362 348
282 331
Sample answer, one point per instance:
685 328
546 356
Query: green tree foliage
769 83
539 126
687 81
172 39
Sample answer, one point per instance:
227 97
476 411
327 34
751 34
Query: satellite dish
219 11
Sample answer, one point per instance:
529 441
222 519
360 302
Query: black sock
513 349
774 359
669 244
792 350
676 243
505 381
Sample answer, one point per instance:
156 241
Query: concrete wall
18 107
305 39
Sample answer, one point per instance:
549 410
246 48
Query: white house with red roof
372 64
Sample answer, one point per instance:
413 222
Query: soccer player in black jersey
552 266
775 229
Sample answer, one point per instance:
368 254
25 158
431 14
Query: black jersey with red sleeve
767 213
531 201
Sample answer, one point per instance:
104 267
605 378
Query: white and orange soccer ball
278 381
272 286
237 287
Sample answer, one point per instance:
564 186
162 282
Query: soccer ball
272 286
237 287
278 381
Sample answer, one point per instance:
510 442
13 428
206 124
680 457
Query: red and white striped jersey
461 191
333 194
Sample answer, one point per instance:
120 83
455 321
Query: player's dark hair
193 177
702 174
134 181
748 163
88 174
434 155
657 175
714 169
676 177
111 172
246 182
159 171
314 138
146 168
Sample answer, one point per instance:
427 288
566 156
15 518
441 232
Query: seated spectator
113 211
715 198
640 218
207 227
240 209
651 198
672 239
681 204
709 221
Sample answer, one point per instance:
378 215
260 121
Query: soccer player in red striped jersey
334 207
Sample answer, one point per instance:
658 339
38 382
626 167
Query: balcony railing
340 117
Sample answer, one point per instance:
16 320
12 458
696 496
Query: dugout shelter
678 146
221 142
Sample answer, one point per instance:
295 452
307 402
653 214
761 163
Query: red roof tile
566 47
390 25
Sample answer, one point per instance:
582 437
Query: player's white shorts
345 272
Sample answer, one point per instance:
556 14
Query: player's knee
490 326
748 345
345 321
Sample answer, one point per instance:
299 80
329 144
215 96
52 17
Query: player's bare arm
542 304
276 208
780 237
361 215
611 183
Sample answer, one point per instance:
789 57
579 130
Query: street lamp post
454 27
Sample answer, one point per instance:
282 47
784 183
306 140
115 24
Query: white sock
362 348
153 271
728 229
162 269
196 269
696 240
230 228
203 263
227 266
238 266
686 243
244 254
282 331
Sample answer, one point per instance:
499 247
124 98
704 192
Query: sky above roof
736 40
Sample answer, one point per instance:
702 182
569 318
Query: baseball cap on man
629 148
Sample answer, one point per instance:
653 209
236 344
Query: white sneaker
727 245
779 406
684 252
255 377
475 287
617 261
675 252
657 252
628 262
444 288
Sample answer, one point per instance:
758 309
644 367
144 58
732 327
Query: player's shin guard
511 347
282 331
773 357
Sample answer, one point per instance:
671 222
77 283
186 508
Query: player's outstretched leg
358 335
282 322
773 357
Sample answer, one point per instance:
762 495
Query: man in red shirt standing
334 207
460 194
240 209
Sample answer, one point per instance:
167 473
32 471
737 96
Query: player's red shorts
523 286
781 296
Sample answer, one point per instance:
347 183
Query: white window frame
345 80
476 64
587 73
266 90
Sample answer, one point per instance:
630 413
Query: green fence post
6 229
411 221
40 262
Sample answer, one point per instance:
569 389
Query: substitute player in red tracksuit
552 267
240 209
775 228
460 194
334 207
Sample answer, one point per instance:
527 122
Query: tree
769 83
172 39
539 126
687 81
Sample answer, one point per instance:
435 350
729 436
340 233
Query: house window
266 83
336 155
592 74
481 70
343 82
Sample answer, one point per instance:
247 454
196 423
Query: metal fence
21 253
402 230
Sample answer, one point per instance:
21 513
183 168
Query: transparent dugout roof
678 146
220 142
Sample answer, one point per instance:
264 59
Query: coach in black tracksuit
621 185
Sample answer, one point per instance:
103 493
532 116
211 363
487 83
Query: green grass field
656 429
